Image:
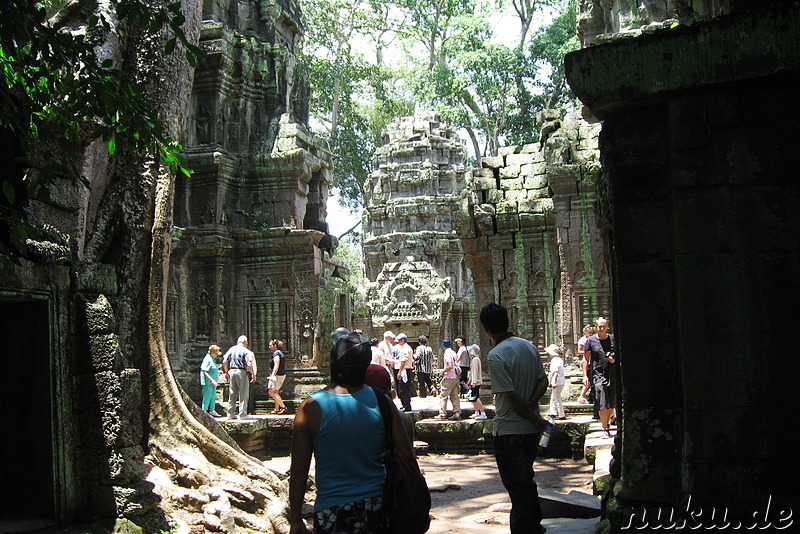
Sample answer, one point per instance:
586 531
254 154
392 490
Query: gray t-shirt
514 365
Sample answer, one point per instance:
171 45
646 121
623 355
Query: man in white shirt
450 387
387 350
404 371
556 381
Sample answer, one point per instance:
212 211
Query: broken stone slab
575 504
441 488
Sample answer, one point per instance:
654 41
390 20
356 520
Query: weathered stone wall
697 149
251 254
529 227
77 431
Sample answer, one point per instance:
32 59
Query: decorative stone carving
408 292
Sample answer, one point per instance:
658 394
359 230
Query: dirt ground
468 497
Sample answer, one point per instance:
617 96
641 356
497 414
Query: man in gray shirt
237 362
518 382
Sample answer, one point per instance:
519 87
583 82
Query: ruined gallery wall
529 228
697 149
521 230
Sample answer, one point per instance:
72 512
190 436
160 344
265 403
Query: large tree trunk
201 475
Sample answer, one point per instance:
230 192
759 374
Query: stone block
642 230
509 171
506 150
126 465
687 123
494 196
519 194
135 499
99 316
531 221
105 352
542 192
532 148
575 504
484 184
507 222
531 169
490 162
512 183
498 243
535 205
520 159
601 478
94 278
119 396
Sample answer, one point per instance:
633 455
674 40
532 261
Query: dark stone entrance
27 444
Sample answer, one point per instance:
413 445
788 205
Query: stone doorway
27 448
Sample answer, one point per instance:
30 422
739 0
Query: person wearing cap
518 382
474 381
423 358
450 387
342 427
556 380
236 364
404 371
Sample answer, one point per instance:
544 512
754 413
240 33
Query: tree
351 97
60 93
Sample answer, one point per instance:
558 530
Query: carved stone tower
419 283
251 252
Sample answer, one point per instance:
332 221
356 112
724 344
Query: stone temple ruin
687 224
441 239
419 282
252 254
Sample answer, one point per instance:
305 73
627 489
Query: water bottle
544 440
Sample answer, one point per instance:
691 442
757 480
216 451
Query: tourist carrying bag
406 499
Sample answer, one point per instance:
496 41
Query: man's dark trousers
515 454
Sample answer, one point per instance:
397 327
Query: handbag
406 498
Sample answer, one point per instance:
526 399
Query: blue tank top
347 448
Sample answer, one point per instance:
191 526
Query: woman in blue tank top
343 428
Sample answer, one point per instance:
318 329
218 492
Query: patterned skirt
361 517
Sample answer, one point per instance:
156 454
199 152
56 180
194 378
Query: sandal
281 411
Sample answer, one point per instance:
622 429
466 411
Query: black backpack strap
386 413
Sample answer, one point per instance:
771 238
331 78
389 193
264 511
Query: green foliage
445 58
53 82
352 97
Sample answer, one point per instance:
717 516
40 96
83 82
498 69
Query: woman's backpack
406 498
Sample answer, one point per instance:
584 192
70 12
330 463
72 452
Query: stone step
601 477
